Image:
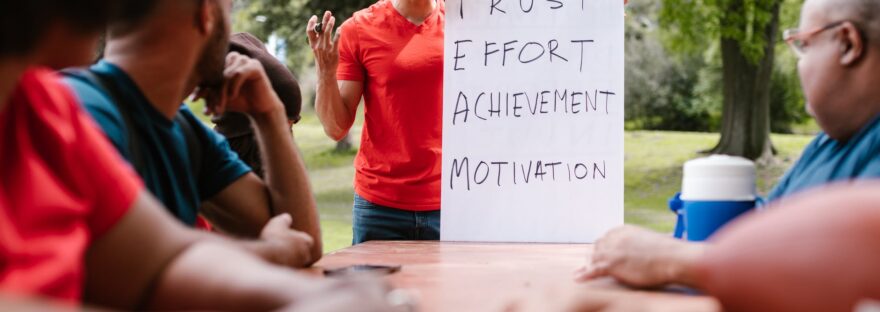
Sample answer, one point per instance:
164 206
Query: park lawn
652 167
652 174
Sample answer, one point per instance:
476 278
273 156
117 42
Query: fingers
214 101
310 31
596 270
592 271
328 32
282 221
326 19
199 94
239 70
306 238
322 37
579 274
236 80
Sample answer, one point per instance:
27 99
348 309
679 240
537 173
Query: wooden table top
453 276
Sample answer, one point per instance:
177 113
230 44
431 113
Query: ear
205 17
852 44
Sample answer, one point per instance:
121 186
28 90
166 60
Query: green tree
287 19
661 86
747 33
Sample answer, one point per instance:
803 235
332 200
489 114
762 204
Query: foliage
787 107
675 84
786 97
661 87
287 19
673 67
694 23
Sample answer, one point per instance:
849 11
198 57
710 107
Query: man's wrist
683 261
263 249
269 115
327 77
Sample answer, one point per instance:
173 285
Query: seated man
839 49
801 256
76 224
236 127
817 252
151 65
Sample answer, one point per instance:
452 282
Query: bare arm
124 265
336 102
286 188
149 260
337 107
277 243
643 258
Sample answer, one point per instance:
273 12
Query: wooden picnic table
456 276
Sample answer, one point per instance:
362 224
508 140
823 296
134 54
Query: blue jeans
374 222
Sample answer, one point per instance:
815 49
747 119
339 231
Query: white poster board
532 120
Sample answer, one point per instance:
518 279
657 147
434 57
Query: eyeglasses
797 40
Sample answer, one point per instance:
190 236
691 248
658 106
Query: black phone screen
362 268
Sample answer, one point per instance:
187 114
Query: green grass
653 161
653 174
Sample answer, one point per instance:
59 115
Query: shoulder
872 132
49 105
100 107
207 138
372 15
193 122
93 98
46 93
820 142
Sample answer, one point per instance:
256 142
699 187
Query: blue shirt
169 171
826 160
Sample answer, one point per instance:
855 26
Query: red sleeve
350 66
816 252
110 182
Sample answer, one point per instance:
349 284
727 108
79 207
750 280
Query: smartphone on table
362 268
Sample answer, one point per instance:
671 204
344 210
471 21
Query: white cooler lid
719 178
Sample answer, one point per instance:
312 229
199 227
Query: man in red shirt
75 222
391 54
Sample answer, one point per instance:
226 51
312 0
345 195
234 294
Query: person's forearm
288 184
210 276
335 115
683 264
260 248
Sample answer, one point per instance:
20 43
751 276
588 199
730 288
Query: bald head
865 14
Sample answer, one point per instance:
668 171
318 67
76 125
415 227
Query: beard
210 66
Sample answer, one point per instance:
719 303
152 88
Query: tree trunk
745 125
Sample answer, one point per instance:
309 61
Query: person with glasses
838 50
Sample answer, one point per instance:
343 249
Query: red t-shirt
401 65
61 186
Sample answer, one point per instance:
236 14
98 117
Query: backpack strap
112 90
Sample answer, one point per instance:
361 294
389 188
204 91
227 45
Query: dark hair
248 150
23 22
